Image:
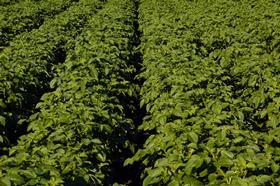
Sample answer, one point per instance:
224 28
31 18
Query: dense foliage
27 15
81 125
8 2
212 92
72 84
26 65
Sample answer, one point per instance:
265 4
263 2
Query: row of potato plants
26 66
211 91
27 15
82 127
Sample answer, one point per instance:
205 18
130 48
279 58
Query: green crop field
140 92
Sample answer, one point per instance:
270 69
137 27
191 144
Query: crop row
26 65
212 92
27 15
82 128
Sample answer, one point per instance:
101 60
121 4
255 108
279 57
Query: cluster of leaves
26 65
8 2
82 126
212 92
27 15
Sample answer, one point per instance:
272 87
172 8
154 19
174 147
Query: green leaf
240 116
155 172
142 103
228 154
12 151
203 173
275 167
190 181
152 177
193 137
162 162
2 104
225 162
2 121
212 177
268 138
101 157
21 121
194 162
162 119
238 139
128 161
193 145
16 178
5 181
263 179
53 83
148 107
273 121
107 71
174 183
251 165
29 174
239 181
130 92
217 108
263 114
